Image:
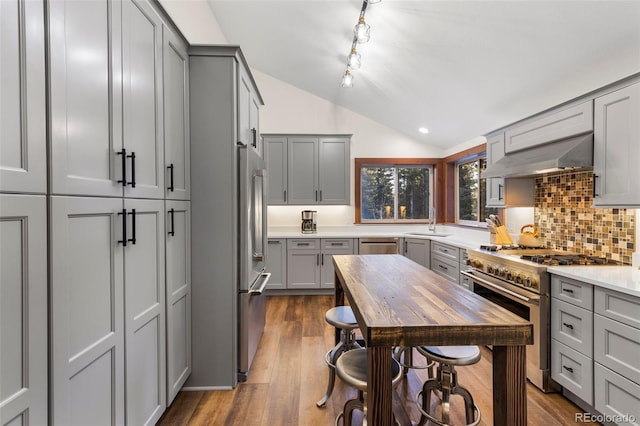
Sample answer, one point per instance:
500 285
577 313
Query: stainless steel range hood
572 153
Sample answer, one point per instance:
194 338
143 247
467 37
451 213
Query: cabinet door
334 176
87 327
277 264
23 309
144 292
302 170
176 117
303 269
22 104
616 151
142 100
418 250
276 159
85 97
495 186
178 259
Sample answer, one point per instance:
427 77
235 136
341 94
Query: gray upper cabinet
308 169
495 186
23 309
248 112
142 100
555 125
85 89
106 108
22 84
176 116
302 170
616 148
276 160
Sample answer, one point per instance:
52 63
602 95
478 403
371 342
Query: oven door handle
498 289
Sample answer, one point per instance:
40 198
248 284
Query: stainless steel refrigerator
252 245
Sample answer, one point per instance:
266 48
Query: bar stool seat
446 381
343 319
351 367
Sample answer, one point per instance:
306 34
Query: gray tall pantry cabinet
224 102
117 237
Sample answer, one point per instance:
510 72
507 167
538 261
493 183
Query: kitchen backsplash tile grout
567 222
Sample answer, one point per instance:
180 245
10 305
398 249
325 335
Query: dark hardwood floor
289 375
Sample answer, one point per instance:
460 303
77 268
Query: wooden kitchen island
398 302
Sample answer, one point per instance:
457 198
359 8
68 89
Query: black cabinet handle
123 241
133 169
569 369
405 247
316 195
593 193
569 326
499 192
285 195
172 232
321 195
123 153
317 259
567 290
443 267
133 226
170 167
254 135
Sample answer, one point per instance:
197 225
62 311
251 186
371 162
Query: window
471 192
394 192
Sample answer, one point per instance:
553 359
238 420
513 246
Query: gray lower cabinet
277 263
23 309
418 250
303 263
616 149
465 281
308 169
178 277
445 261
616 353
91 324
595 342
572 336
329 247
23 166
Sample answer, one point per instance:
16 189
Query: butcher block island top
398 302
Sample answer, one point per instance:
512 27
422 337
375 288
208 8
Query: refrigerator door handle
265 277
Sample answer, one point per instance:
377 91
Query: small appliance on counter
309 221
530 236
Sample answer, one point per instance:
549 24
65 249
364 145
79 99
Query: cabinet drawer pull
123 241
133 170
123 153
569 369
172 232
443 267
337 244
133 227
569 326
302 244
567 290
170 167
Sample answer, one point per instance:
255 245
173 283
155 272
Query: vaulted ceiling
459 68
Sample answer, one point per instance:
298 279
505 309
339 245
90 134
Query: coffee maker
309 221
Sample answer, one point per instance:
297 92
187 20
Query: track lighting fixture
361 34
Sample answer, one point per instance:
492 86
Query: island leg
379 389
339 300
509 386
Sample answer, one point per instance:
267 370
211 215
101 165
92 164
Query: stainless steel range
517 279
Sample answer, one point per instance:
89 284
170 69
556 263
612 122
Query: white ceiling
460 68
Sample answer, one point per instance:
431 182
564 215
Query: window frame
432 163
466 160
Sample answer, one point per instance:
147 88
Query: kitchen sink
428 234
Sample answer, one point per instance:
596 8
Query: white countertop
619 278
459 237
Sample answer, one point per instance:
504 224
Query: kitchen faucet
431 226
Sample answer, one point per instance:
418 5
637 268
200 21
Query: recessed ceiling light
423 130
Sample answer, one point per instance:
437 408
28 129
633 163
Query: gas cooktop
549 257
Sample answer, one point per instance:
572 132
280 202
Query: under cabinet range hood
571 153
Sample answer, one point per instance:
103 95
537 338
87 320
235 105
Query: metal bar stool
404 355
446 381
351 367
342 318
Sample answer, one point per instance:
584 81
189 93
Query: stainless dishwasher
379 245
